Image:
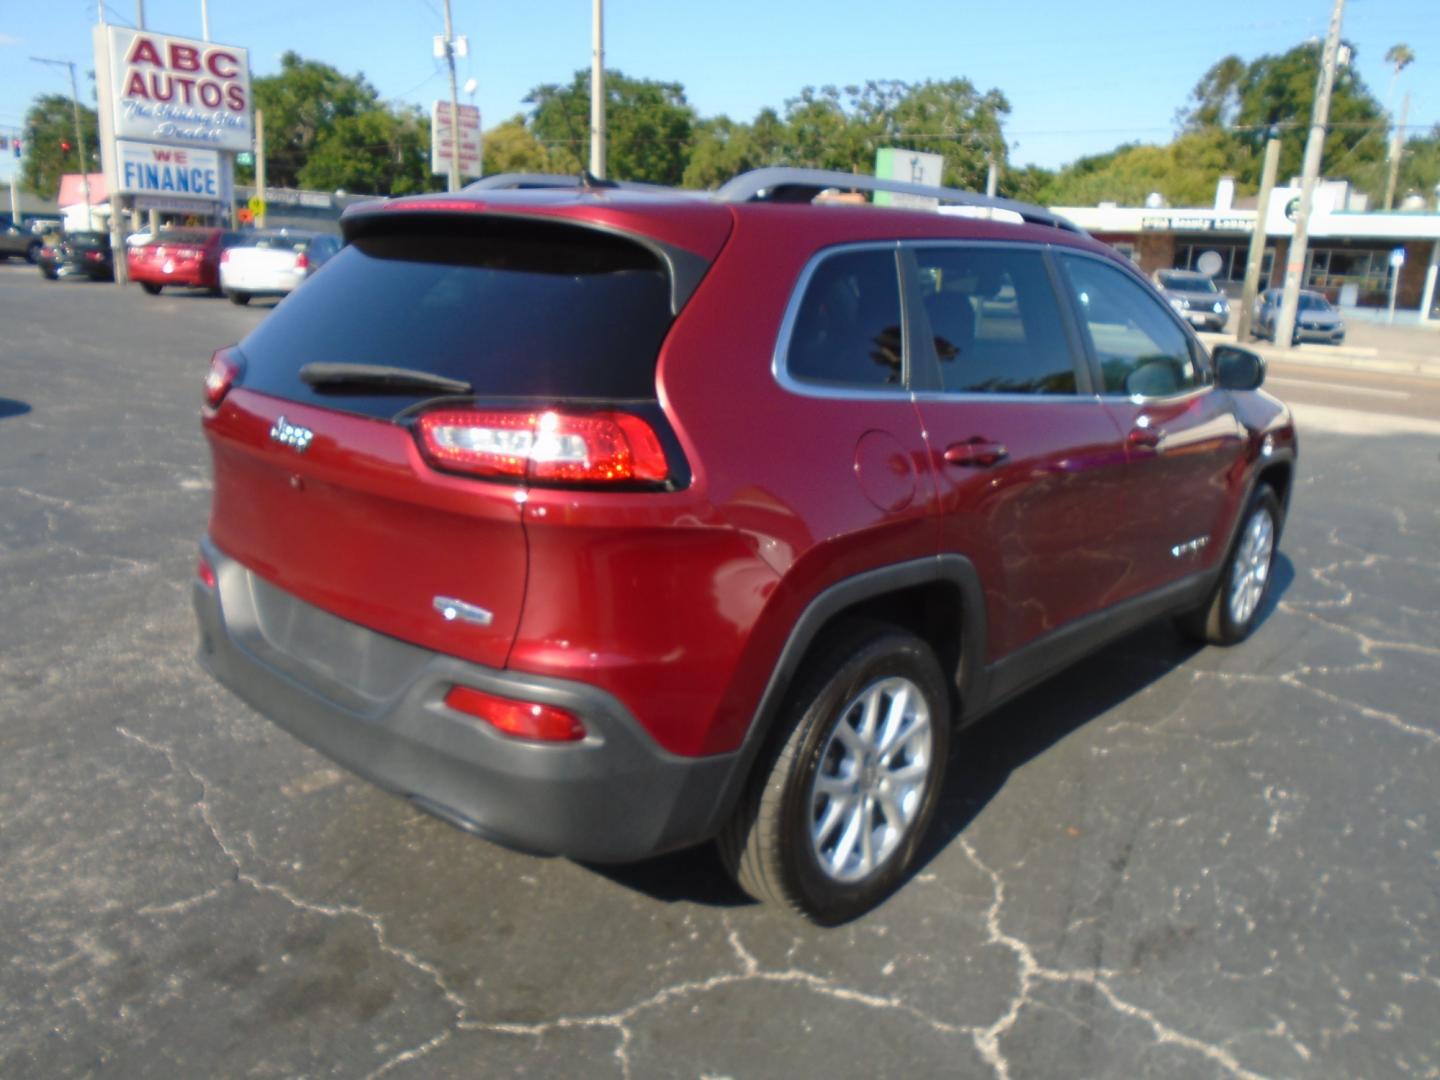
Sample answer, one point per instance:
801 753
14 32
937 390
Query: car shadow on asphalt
982 757
10 407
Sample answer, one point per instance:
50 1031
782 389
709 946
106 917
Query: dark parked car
1196 297
189 257
78 254
604 522
1315 319
22 243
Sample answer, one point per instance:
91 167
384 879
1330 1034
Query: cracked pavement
1164 862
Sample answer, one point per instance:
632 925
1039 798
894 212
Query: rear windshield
181 236
1187 283
273 243
516 309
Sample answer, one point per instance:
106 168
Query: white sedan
272 262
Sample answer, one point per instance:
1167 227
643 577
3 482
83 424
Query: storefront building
1352 254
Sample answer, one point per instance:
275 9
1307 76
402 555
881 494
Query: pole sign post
440 136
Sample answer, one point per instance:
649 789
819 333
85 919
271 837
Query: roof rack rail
784 184
513 181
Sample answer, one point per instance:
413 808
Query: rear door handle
976 450
1143 438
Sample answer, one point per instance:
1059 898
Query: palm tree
1399 57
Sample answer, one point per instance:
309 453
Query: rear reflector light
225 368
592 447
518 719
205 572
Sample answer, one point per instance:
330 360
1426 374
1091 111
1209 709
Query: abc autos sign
179 91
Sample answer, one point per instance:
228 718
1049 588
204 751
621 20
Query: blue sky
1080 77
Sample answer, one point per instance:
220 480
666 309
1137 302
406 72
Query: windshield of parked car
1311 302
1187 283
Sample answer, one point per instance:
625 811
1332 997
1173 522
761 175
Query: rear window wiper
378 378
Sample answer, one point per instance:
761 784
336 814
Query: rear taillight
225 368
225 256
205 572
518 719
571 447
95 256
302 261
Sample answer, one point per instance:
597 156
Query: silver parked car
1315 319
269 262
1196 298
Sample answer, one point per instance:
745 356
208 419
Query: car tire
240 298
151 288
1234 608
32 253
49 275
836 810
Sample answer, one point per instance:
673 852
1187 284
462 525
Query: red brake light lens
225 368
205 572
585 448
302 261
225 255
518 719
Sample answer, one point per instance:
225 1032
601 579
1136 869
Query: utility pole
1396 149
597 91
79 136
454 104
992 177
1314 150
260 167
205 19
1257 240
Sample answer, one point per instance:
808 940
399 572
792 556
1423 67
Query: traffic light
17 148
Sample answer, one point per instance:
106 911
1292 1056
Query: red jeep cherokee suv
603 522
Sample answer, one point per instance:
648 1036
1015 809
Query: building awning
72 191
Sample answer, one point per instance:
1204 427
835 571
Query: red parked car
603 522
186 256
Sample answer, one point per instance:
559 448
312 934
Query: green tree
302 105
649 126
49 130
510 148
382 151
1184 172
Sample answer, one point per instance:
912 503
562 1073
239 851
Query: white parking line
1342 387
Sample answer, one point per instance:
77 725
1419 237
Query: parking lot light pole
79 136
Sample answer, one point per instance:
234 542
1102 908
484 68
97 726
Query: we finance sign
178 91
177 172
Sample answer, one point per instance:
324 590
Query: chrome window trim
803 388
1146 286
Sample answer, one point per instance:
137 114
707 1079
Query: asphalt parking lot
1163 863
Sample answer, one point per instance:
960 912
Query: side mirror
1237 368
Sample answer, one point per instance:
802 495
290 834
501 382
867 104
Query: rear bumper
613 797
195 277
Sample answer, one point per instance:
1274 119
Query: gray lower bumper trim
613 797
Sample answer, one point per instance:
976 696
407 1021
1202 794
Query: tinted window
847 329
517 309
995 320
182 236
1141 349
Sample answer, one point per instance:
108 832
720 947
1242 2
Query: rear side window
846 332
515 308
1141 349
995 321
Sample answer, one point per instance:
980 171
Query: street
1165 862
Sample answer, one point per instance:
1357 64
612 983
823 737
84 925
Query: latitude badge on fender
282 431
